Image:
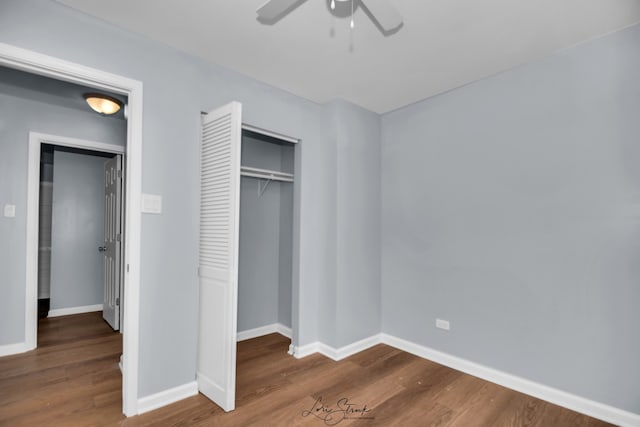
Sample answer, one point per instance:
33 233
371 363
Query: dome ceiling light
103 104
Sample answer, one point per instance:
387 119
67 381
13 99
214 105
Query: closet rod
265 174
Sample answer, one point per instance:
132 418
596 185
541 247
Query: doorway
33 62
80 234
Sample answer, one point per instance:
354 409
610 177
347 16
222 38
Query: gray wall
21 111
77 268
168 291
510 207
350 306
266 233
514 198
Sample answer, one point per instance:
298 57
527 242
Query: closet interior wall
266 235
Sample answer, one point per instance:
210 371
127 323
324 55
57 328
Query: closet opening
248 261
265 260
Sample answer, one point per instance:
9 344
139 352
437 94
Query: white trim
65 141
31 291
29 61
215 393
351 349
272 134
285 331
336 354
167 397
274 328
36 140
531 388
302 351
74 310
133 243
10 349
558 397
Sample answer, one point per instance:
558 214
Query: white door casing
33 62
218 261
112 240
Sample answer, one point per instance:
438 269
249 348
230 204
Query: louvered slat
215 201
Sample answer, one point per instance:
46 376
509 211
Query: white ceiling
444 43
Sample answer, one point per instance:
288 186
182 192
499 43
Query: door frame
36 63
36 139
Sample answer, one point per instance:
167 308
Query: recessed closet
246 260
266 235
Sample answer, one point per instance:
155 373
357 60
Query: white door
112 240
218 264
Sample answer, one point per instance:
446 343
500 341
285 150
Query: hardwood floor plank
417 403
484 407
73 379
374 355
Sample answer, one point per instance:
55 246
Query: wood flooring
73 379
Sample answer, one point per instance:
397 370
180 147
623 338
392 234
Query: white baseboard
349 350
335 353
576 403
75 310
9 349
274 328
302 351
215 393
558 397
284 330
167 397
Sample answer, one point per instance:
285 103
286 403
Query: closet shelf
265 174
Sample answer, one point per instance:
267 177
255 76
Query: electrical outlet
443 324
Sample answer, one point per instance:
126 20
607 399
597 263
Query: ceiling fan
381 12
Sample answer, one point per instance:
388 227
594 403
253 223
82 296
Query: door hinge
118 301
119 174
118 237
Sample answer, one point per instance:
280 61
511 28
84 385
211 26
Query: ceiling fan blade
385 14
275 9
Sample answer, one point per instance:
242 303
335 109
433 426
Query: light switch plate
151 203
9 211
443 324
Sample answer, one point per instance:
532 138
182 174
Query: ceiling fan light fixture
103 104
385 16
352 23
333 3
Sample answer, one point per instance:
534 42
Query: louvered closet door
218 265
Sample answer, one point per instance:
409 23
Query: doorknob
102 248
